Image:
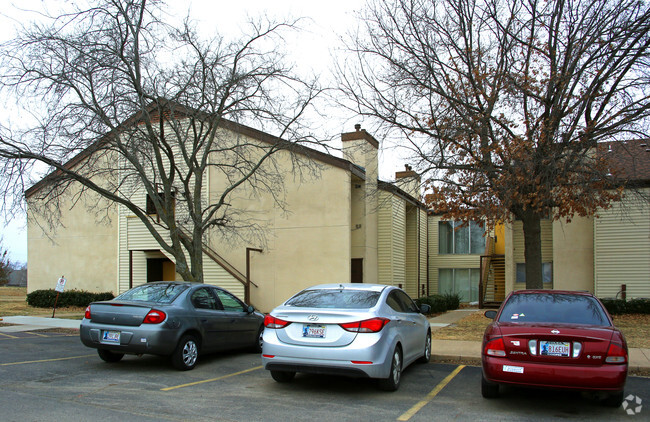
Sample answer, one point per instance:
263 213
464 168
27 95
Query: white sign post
60 285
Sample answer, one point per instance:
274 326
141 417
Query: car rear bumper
579 377
345 360
154 340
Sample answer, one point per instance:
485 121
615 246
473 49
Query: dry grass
635 327
11 292
13 302
469 328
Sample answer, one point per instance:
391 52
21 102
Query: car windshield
158 293
335 298
554 308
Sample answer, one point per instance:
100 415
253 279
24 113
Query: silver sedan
176 319
358 330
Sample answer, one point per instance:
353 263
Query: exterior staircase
492 284
229 269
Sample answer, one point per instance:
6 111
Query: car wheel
489 390
426 356
282 376
186 354
614 399
108 356
392 382
259 341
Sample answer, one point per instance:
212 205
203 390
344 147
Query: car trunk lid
317 327
556 343
119 313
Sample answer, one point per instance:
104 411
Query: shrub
638 306
437 303
79 298
452 300
614 306
632 306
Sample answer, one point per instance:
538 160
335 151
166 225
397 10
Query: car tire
426 355
489 390
186 354
395 376
614 399
283 376
108 356
259 342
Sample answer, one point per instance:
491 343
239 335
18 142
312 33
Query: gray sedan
176 319
359 330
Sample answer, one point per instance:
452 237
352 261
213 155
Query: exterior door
356 266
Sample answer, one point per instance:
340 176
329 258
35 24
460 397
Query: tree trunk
533 250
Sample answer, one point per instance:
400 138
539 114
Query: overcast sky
311 49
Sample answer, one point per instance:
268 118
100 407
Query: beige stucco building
334 227
342 224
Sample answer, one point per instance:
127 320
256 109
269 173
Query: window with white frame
454 238
463 281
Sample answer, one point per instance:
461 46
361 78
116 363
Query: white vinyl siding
391 240
622 248
411 286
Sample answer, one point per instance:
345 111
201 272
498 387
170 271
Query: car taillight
154 317
616 354
373 325
87 314
272 322
495 348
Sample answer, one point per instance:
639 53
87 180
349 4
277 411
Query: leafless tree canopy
125 104
503 102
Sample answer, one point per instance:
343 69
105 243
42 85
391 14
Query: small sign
60 285
513 369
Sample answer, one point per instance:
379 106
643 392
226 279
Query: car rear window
554 308
157 293
331 298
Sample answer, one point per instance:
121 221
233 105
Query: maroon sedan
554 339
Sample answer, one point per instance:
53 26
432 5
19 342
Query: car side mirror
425 309
491 314
250 309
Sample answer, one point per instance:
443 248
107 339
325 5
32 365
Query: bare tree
129 106
5 265
502 103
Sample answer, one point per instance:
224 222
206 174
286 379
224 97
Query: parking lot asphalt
441 350
51 376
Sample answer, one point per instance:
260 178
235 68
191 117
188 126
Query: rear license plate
555 348
313 331
112 337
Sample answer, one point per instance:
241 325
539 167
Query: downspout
420 288
428 253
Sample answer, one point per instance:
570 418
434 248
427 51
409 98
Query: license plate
111 337
313 331
513 369
554 348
